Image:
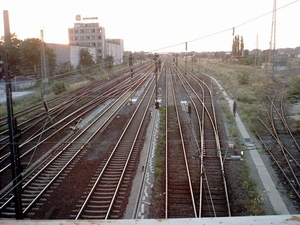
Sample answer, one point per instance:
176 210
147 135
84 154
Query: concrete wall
75 54
115 48
62 52
67 53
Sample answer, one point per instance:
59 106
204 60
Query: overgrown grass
160 147
21 103
254 202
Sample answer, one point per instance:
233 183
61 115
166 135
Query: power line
225 30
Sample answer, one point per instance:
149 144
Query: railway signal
159 65
130 60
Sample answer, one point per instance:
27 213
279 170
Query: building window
76 38
93 44
76 31
87 37
99 37
81 31
93 30
81 38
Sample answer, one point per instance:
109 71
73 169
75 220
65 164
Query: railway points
145 169
269 185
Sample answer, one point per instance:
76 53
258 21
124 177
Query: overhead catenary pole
43 66
44 80
273 39
12 125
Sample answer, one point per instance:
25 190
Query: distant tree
241 52
238 46
30 55
86 59
13 52
262 58
109 61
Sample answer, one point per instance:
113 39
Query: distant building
280 62
88 35
115 48
67 53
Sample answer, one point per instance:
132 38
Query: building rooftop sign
90 18
78 17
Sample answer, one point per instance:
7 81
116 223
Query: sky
161 25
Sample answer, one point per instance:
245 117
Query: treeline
25 55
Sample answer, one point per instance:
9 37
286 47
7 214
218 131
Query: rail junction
82 155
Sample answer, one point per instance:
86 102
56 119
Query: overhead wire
225 30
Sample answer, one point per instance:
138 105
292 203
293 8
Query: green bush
243 78
246 98
58 87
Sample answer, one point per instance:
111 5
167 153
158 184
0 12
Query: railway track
46 134
180 199
65 155
281 144
195 184
214 194
110 186
195 177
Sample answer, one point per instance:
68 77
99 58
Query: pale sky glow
154 25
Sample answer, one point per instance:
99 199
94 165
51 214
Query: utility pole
12 125
273 38
44 66
45 80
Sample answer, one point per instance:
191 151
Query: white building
88 34
115 48
67 53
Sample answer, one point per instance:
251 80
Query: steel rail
285 153
117 89
72 141
215 127
90 194
279 166
183 150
